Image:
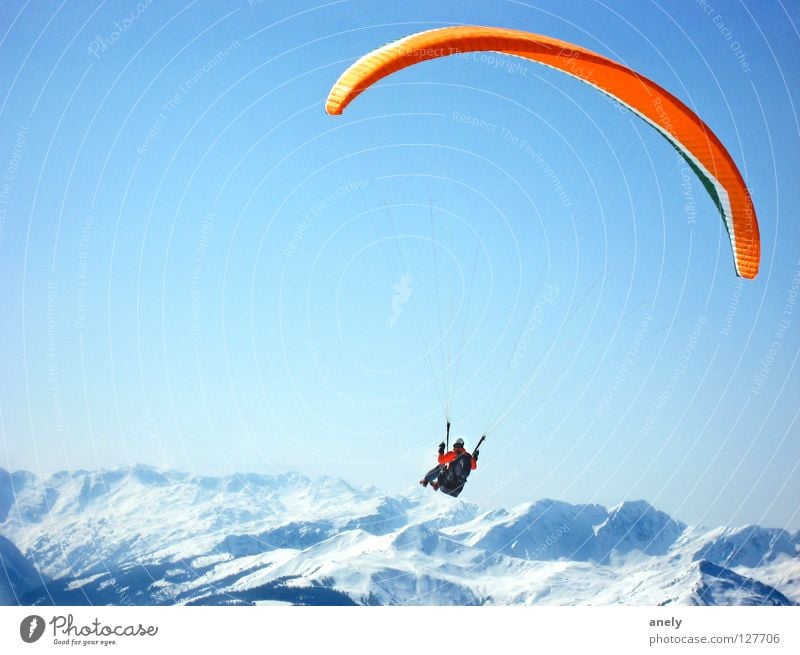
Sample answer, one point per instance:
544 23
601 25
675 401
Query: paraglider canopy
694 140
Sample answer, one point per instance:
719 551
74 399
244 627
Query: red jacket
448 457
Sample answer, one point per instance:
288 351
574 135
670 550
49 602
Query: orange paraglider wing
680 125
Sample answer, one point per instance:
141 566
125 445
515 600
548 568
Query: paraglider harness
454 475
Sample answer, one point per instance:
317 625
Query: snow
749 546
77 584
169 537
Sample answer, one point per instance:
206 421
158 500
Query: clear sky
202 270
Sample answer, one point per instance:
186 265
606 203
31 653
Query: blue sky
202 270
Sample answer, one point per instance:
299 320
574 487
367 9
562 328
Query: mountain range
144 536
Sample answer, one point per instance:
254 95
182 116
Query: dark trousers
435 473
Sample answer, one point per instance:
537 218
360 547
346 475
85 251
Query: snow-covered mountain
144 536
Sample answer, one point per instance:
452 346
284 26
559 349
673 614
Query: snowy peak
749 546
74 492
426 540
636 526
718 585
552 530
148 476
33 498
24 497
389 516
255 482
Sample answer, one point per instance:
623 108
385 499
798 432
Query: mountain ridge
256 538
